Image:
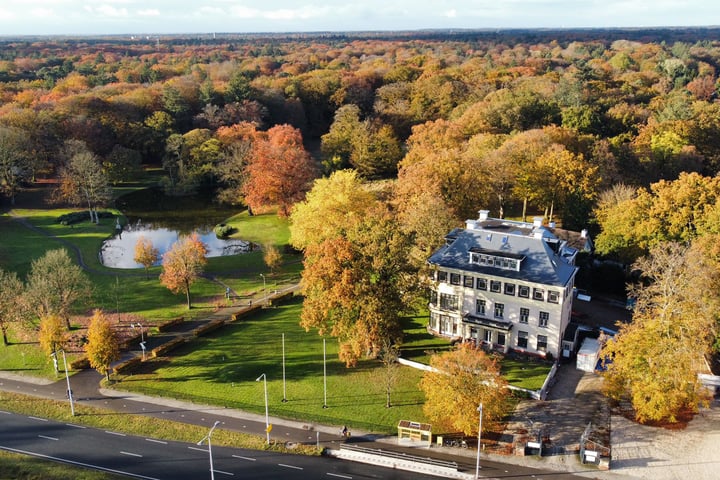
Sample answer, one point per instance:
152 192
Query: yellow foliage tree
52 334
102 344
460 381
183 264
145 253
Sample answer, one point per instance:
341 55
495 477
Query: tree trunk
524 215
187 295
5 339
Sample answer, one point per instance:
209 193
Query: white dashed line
198 449
48 438
339 476
289 466
155 441
131 454
244 458
224 473
115 433
75 426
38 418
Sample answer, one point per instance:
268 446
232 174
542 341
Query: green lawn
528 373
221 369
22 467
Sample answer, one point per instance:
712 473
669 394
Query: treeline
516 119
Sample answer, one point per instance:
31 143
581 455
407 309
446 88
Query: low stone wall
170 323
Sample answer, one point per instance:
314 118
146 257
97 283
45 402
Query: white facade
505 284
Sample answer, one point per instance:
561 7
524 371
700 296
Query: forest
376 144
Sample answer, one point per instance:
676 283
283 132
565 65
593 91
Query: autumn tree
272 257
357 285
102 343
657 357
391 370
11 292
145 253
13 162
183 264
280 171
83 181
470 378
332 205
55 284
52 334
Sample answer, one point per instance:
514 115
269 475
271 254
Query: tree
13 162
145 253
55 284
83 181
330 207
357 285
389 357
468 377
272 257
280 171
102 343
183 264
52 334
11 292
656 358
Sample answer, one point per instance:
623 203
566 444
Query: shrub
223 230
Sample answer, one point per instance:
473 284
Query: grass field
221 369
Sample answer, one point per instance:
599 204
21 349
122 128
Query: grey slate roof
543 261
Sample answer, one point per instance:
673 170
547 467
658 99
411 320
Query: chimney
483 215
470 224
583 233
537 222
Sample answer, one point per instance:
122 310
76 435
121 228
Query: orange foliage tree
183 264
279 171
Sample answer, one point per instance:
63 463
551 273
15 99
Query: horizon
235 17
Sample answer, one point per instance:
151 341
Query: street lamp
283 358
207 437
142 337
67 379
477 463
324 376
267 419
264 288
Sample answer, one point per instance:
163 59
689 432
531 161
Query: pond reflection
118 251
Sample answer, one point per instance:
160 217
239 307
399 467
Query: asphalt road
153 459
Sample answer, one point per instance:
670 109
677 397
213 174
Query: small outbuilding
587 356
414 433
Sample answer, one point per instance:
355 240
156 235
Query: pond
162 220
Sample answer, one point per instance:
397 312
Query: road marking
244 458
131 454
81 464
289 466
38 418
48 438
116 433
198 449
339 476
155 441
3 411
226 473
76 426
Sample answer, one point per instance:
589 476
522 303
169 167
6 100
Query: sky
93 17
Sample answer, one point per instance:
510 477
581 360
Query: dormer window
496 259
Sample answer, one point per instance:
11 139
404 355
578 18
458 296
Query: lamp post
67 379
477 463
283 358
324 376
264 288
207 437
267 419
142 337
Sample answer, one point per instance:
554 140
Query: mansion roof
543 257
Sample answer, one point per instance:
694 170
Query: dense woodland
614 130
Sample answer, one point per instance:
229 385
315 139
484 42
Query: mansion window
542 343
524 315
480 307
503 262
499 310
543 319
553 297
524 291
500 338
538 294
448 302
481 284
441 276
509 289
495 286
446 324
488 336
455 278
469 282
522 339
433 297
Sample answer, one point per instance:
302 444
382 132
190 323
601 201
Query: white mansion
505 284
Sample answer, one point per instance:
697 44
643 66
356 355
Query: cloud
107 11
150 12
